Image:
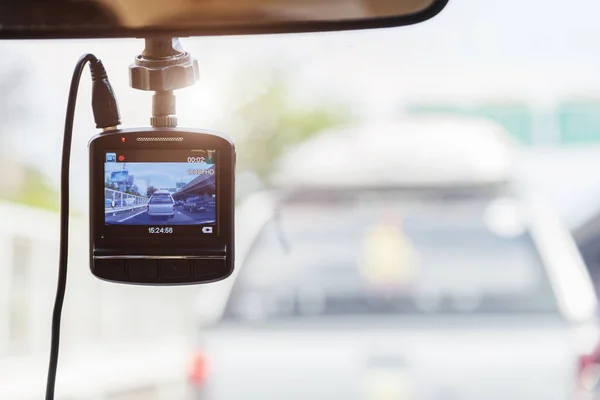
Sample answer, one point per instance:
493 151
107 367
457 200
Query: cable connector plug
104 101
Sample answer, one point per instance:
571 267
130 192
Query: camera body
162 206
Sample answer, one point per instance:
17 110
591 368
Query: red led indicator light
121 158
122 140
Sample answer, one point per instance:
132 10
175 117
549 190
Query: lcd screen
161 190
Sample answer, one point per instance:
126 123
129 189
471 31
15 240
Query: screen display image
161 189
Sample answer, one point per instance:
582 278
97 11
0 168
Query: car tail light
198 369
589 368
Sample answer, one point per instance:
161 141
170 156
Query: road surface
182 217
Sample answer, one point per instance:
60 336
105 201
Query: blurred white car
400 288
161 204
416 151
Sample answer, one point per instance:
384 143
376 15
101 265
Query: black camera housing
171 254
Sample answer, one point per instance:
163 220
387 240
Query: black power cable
106 115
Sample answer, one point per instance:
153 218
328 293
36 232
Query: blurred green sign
570 122
579 121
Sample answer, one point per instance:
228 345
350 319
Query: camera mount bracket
163 67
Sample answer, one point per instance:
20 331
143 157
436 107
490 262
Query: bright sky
503 49
161 175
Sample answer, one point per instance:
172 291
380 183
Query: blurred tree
32 189
13 105
272 123
135 190
21 182
150 191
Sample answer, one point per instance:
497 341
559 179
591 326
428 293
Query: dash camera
162 206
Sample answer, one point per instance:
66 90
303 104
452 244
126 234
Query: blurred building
105 326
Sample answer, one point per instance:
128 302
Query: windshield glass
161 199
392 257
488 101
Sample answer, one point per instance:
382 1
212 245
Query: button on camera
174 269
207 229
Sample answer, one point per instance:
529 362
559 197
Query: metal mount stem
163 67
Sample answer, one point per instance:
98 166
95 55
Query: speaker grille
159 139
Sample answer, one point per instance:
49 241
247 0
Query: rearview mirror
142 18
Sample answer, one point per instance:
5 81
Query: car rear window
161 199
392 257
